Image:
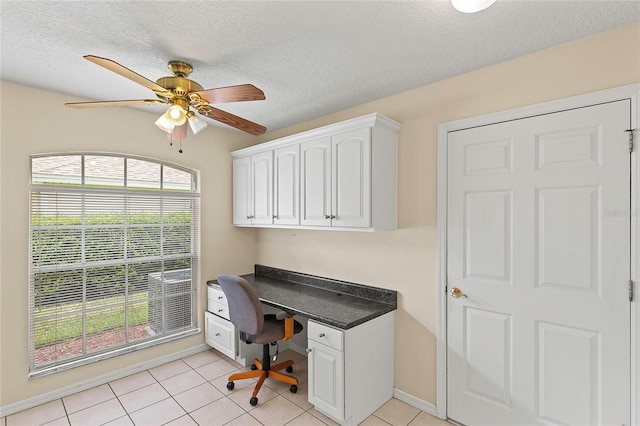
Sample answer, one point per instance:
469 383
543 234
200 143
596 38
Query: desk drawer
326 335
220 334
222 310
217 295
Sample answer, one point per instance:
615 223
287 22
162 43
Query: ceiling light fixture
471 6
195 123
164 123
173 122
176 115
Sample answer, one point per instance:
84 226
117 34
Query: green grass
57 330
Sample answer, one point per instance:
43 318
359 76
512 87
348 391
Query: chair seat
272 331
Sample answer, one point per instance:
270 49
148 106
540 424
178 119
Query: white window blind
114 243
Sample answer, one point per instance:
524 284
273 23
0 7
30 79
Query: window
113 257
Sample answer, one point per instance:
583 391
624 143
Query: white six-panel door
540 332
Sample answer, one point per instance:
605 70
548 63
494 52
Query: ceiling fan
184 96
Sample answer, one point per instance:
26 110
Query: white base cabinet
221 334
351 372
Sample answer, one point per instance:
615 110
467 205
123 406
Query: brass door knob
456 292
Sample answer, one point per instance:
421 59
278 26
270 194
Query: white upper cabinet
336 180
341 176
315 178
242 194
253 189
351 179
286 195
262 183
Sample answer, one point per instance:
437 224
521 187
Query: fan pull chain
171 144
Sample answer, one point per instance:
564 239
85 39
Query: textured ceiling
310 58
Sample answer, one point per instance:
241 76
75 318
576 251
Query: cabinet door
286 193
242 198
315 181
262 183
326 379
351 168
220 334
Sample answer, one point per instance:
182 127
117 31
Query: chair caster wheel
289 369
253 367
293 388
230 385
253 401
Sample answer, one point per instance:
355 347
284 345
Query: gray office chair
245 312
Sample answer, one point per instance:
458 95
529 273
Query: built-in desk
350 343
337 303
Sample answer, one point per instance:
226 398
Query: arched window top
110 171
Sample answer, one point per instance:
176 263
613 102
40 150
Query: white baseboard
297 348
25 404
423 405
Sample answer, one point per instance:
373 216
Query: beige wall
35 121
404 260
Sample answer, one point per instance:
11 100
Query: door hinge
630 131
630 291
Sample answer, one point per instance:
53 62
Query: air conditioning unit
170 304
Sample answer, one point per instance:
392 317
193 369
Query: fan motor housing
179 85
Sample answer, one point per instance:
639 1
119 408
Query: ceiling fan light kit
164 123
176 115
184 97
195 123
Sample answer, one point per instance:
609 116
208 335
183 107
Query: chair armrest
288 324
283 314
288 328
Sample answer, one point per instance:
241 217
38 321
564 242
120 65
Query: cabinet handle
217 334
220 310
326 216
219 297
333 217
321 335
308 350
275 216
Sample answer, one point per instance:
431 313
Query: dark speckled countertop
337 303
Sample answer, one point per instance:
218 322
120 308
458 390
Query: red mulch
95 342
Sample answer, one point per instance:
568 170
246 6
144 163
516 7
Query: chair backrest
245 309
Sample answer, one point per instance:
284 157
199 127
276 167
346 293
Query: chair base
265 369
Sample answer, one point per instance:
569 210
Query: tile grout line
66 413
119 402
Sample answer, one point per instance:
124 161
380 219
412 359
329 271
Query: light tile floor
193 391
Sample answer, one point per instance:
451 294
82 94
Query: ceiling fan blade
99 104
235 121
239 93
125 72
